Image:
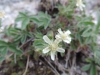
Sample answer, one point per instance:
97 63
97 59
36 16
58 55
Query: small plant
43 36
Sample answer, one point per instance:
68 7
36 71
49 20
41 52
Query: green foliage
93 70
86 67
42 19
91 66
83 32
24 18
5 46
18 35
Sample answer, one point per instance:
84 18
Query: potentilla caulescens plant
79 25
53 46
80 4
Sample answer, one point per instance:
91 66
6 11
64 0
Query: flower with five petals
63 36
52 47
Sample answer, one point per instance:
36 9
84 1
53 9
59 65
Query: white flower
80 4
63 36
52 47
1 29
2 14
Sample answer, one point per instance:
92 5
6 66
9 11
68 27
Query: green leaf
3 43
17 37
23 14
86 67
42 19
89 60
25 22
3 53
38 35
34 19
2 48
38 43
30 34
15 50
21 64
98 24
88 40
23 39
93 70
19 19
86 34
79 37
88 23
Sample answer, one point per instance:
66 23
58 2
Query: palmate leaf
21 17
24 18
5 46
42 19
14 49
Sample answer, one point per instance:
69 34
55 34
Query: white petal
52 55
57 36
57 41
77 4
67 41
60 31
61 50
67 32
83 5
47 40
46 50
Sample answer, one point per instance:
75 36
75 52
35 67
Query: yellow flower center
63 36
53 47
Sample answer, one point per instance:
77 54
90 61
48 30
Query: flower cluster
53 46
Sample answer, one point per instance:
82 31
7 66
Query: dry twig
26 66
